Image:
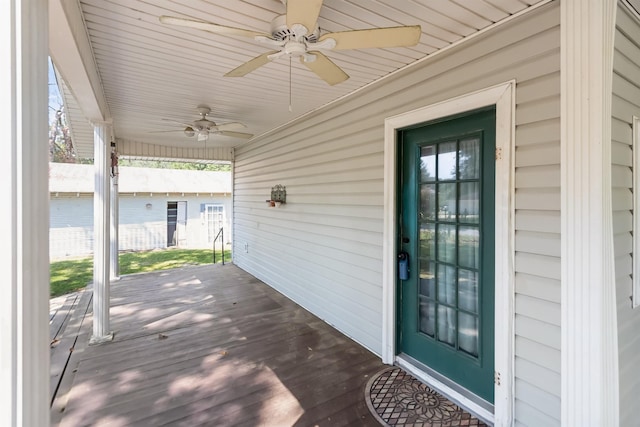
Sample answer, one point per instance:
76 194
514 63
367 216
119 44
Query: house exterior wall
140 228
323 248
70 226
625 105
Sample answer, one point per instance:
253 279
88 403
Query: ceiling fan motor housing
281 32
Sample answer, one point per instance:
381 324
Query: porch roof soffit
71 52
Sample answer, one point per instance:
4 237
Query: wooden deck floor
206 346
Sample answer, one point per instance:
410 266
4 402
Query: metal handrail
221 235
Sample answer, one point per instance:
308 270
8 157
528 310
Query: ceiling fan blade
303 12
325 68
230 126
375 37
211 27
251 65
236 134
178 122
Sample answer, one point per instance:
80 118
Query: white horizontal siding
324 247
537 244
70 226
626 104
140 228
530 393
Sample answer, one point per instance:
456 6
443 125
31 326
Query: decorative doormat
398 399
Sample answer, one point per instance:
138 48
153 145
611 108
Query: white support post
590 391
101 229
114 265
24 214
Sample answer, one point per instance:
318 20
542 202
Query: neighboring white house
158 208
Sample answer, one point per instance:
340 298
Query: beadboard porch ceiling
142 71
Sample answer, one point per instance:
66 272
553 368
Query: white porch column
101 229
114 265
24 214
589 329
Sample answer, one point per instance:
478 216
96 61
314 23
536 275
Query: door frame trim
503 97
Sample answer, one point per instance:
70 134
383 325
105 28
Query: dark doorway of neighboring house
176 223
172 220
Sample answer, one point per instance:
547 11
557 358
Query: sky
55 99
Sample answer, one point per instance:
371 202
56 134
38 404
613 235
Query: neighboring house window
214 216
635 295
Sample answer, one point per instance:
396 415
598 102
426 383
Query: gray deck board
213 346
65 327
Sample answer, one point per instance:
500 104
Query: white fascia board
71 52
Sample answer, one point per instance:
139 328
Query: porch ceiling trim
71 52
138 149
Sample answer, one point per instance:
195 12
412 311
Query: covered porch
206 345
563 349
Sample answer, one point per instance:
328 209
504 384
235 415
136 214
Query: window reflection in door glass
447 160
449 246
428 164
469 158
469 202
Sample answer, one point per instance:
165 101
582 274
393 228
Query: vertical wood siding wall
626 104
323 248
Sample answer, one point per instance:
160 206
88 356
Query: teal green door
446 211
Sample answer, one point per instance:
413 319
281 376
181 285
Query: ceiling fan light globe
203 135
189 132
295 49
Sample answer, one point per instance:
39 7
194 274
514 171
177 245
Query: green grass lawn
72 275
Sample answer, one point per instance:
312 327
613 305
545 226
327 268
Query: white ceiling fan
204 127
296 34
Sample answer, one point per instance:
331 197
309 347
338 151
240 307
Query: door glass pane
468 333
446 242
428 202
427 316
469 202
468 290
428 163
468 247
447 201
447 325
447 160
427 240
427 278
446 284
449 243
470 158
